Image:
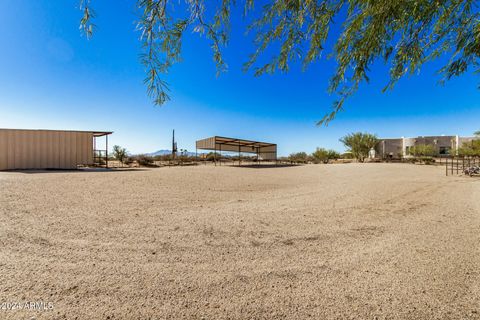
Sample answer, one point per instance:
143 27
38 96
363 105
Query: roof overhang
95 133
101 133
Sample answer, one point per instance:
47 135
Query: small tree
320 155
119 153
471 148
359 144
324 155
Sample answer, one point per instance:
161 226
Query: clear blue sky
52 77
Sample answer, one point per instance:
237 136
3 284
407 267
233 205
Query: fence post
446 167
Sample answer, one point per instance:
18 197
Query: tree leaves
359 144
86 25
402 34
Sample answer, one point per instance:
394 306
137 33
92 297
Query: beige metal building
263 150
49 149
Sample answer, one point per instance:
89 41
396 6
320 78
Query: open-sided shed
263 150
49 149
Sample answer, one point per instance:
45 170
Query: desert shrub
423 150
163 157
333 155
324 155
298 157
129 160
320 155
144 160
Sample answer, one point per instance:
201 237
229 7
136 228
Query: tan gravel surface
356 241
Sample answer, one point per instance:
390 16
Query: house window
444 150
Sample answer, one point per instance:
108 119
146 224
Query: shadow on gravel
86 170
266 166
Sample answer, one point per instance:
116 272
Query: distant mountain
159 153
166 152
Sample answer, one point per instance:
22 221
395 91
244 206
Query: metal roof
241 142
95 133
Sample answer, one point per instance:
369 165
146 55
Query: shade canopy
265 150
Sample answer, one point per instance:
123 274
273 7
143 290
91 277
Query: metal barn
50 149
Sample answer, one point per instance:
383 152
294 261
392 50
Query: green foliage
477 133
320 155
119 153
88 14
347 155
423 150
402 34
299 157
470 149
324 155
333 155
359 144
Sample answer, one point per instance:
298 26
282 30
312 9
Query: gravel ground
354 241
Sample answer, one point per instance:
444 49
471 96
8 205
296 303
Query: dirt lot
371 241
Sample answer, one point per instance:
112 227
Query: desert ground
347 241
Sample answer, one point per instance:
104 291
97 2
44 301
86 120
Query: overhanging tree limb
404 34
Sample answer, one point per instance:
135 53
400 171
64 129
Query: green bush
299 157
423 150
324 155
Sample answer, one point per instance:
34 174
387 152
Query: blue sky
51 77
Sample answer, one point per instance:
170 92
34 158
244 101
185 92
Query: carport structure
264 151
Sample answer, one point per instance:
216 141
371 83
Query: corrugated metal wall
208 143
44 149
268 153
